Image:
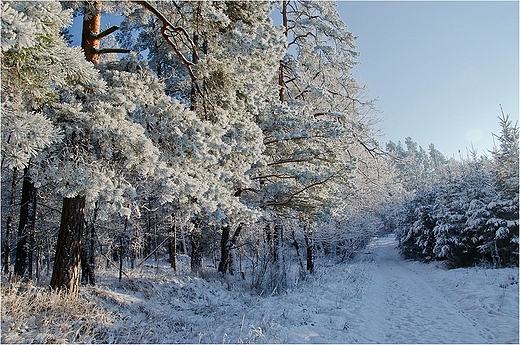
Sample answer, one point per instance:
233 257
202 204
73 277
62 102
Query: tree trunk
91 28
195 60
8 226
25 225
277 241
297 247
67 262
309 251
88 259
196 249
7 245
172 248
122 250
148 233
32 244
226 260
281 71
226 248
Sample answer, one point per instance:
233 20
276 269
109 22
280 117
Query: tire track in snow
402 306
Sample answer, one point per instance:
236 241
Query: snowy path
403 305
381 298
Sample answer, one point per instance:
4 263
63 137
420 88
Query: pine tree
502 226
36 64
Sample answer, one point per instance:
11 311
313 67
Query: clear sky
438 69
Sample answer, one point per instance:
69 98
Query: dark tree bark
122 249
197 253
148 234
32 243
25 225
277 241
309 250
297 247
66 271
226 248
88 259
281 71
226 261
9 225
172 247
7 245
65 274
193 92
121 252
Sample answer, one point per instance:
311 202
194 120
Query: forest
227 134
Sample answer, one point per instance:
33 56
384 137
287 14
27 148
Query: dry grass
32 314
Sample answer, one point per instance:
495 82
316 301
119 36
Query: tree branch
106 32
293 195
110 50
289 161
169 32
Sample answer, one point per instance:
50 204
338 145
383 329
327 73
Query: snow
376 298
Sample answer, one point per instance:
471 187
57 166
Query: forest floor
376 298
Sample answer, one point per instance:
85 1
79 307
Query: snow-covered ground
376 298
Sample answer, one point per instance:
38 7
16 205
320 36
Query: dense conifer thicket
206 129
466 212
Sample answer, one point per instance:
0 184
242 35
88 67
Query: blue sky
438 69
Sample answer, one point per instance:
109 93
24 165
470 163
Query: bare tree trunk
193 91
309 250
196 253
25 225
297 247
8 226
38 262
196 248
281 72
173 244
32 244
156 244
195 60
226 248
122 250
91 28
7 245
148 233
67 262
226 261
88 258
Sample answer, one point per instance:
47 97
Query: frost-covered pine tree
99 144
502 226
36 64
226 52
